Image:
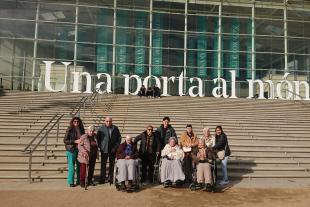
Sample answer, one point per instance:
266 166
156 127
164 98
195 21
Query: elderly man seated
126 156
171 167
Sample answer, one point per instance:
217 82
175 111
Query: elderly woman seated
126 156
171 167
203 160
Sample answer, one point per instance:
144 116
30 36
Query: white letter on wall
191 89
127 79
261 88
165 84
146 81
88 82
108 86
233 84
48 69
181 78
288 91
297 89
216 91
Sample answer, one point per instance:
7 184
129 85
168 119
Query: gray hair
206 129
91 128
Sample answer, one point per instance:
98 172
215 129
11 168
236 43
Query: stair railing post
29 166
45 147
84 109
57 135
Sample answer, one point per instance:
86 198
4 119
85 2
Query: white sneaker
224 182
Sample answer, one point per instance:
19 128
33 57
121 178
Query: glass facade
260 39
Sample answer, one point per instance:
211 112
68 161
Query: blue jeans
72 160
224 169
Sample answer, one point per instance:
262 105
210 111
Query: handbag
221 153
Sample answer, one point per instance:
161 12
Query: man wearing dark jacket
149 149
166 131
108 139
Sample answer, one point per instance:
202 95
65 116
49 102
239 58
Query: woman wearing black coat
71 140
221 143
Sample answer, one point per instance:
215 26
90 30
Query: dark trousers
188 166
82 173
91 166
148 161
104 159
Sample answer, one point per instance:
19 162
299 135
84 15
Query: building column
150 37
253 42
114 46
285 38
185 45
33 81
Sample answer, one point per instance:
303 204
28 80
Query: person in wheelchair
127 163
204 161
171 166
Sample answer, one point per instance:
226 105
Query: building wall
202 38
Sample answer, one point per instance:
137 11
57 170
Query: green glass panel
157 58
202 47
140 43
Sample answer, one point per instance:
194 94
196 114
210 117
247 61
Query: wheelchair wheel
192 187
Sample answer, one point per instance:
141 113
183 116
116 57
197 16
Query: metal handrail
78 106
46 125
56 117
46 133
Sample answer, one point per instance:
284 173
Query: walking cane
156 166
86 177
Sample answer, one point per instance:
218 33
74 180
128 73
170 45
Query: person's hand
127 157
85 155
173 149
78 141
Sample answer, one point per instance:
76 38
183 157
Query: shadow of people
2 92
238 169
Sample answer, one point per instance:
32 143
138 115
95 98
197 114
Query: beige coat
209 141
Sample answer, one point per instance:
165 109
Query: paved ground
246 193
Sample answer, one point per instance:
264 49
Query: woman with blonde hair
209 139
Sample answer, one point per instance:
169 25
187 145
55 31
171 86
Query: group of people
179 158
150 92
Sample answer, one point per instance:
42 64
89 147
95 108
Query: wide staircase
268 138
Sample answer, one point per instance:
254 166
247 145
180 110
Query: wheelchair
157 174
197 186
136 185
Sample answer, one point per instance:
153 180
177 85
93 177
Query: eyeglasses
150 129
76 121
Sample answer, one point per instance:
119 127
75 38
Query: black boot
208 187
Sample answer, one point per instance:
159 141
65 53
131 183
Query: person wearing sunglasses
149 149
71 140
